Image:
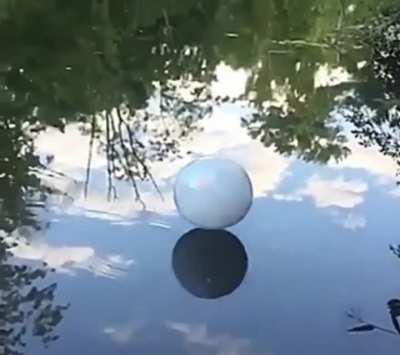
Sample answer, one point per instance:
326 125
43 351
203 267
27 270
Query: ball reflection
209 263
213 193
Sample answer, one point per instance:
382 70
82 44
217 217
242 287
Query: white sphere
213 193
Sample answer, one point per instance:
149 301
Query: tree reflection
17 182
151 65
99 65
393 307
373 108
296 115
363 325
26 303
136 137
100 73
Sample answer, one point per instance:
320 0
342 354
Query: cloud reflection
335 193
123 333
219 344
221 135
338 197
68 259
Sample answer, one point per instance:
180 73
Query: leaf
362 328
394 307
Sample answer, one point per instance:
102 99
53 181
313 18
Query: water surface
101 104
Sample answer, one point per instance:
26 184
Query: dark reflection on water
102 64
209 263
27 304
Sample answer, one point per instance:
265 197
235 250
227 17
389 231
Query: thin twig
110 162
127 161
383 329
90 156
125 164
301 43
359 319
146 170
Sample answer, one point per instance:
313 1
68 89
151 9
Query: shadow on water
209 263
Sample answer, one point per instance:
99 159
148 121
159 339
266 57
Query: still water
102 103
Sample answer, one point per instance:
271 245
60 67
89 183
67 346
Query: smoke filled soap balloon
213 193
